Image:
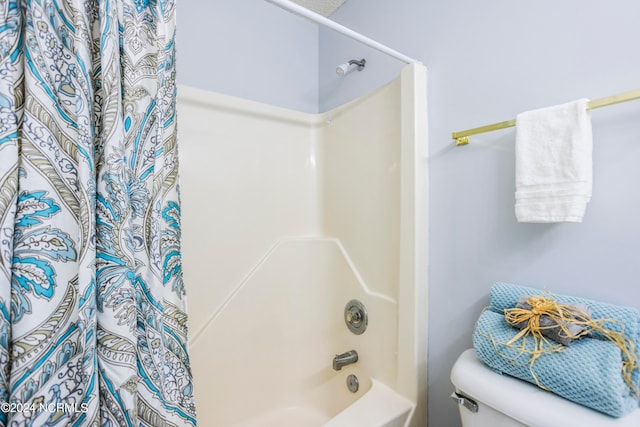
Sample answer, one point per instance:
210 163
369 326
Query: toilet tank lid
524 402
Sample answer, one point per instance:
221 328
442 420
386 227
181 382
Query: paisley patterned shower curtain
92 303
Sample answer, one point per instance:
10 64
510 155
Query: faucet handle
353 315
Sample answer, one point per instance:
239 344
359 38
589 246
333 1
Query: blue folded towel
589 372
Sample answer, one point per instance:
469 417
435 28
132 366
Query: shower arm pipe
319 19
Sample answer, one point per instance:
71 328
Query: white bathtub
266 306
380 406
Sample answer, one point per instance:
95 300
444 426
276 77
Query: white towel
554 163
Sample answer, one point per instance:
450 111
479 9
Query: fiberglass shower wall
252 174
248 179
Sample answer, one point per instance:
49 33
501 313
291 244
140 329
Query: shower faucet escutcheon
356 317
344 359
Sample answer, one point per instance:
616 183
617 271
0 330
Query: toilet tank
504 401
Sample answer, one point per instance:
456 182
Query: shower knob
355 317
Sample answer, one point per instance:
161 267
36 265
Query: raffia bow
563 315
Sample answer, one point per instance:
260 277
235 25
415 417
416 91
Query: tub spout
344 359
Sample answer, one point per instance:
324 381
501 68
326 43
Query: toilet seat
524 402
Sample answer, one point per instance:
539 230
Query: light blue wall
488 61
336 49
250 49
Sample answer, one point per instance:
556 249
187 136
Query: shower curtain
93 323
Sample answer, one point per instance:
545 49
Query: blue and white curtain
93 325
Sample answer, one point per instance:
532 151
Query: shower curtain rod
319 19
462 137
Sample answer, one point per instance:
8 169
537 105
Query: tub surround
287 217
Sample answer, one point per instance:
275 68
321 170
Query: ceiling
323 7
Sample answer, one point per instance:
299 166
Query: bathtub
286 217
380 406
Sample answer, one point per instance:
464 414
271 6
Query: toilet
489 399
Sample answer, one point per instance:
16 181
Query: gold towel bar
462 137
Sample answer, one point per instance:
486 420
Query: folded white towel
554 163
